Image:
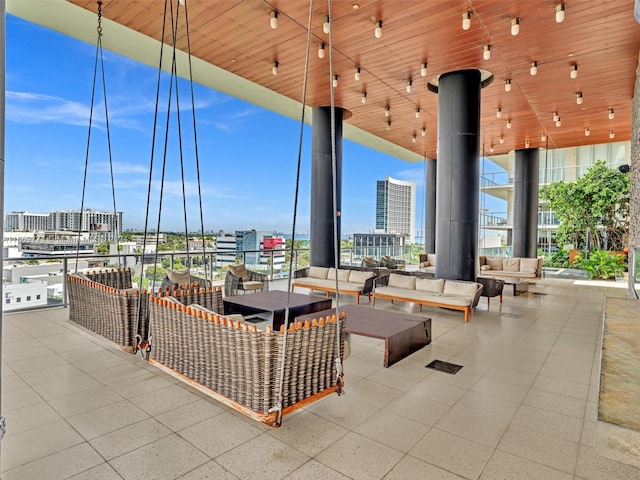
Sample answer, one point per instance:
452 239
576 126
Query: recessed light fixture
543 137
579 98
515 26
424 131
321 50
364 97
534 68
418 112
274 19
466 20
486 52
587 132
274 68
611 134
356 74
560 12
499 112
387 111
335 81
556 116
423 70
573 71
508 123
409 86
507 85
377 31
501 140
326 24
612 114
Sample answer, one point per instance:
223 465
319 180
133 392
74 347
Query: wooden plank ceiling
600 37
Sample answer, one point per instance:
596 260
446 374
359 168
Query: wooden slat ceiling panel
600 36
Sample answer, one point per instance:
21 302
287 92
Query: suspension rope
278 407
99 61
334 174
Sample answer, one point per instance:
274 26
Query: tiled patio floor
523 407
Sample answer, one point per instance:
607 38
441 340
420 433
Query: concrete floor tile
504 466
478 428
187 415
103 420
412 468
393 430
313 470
129 438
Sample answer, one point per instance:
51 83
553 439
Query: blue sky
247 154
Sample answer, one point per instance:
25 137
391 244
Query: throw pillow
430 285
529 264
485 267
402 281
495 263
511 264
460 288
431 258
360 277
180 277
318 272
239 271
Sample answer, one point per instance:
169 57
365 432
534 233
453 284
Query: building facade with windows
396 208
26 222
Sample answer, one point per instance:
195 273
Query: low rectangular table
275 302
403 334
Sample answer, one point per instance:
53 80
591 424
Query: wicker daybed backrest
117 278
240 363
106 310
210 297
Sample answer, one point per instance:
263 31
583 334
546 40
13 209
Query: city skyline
247 154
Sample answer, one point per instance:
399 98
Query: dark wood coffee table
403 334
275 303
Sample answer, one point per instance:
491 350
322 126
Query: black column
458 175
430 206
525 202
322 252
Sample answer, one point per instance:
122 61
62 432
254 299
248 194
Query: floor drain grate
511 315
445 367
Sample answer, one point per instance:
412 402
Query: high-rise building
396 207
25 222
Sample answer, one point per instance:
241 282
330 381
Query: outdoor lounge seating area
524 405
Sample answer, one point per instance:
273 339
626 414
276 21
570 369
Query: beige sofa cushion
511 264
343 275
495 263
485 267
429 285
402 281
357 276
318 272
529 265
180 277
431 258
459 288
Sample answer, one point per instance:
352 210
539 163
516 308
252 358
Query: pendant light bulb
526 144
414 139
356 74
543 137
556 116
515 26
508 123
579 98
274 19
274 69
534 68
335 81
611 134
364 97
573 72
560 12
491 148
612 114
321 50
486 53
507 85
377 31
387 111
466 20
501 140
558 122
424 131
587 132
326 24
499 112
418 112
423 70
409 86
389 125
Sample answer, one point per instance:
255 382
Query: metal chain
99 19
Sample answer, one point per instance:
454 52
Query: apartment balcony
523 405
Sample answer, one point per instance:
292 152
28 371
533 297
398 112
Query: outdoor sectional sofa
350 282
454 294
517 267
